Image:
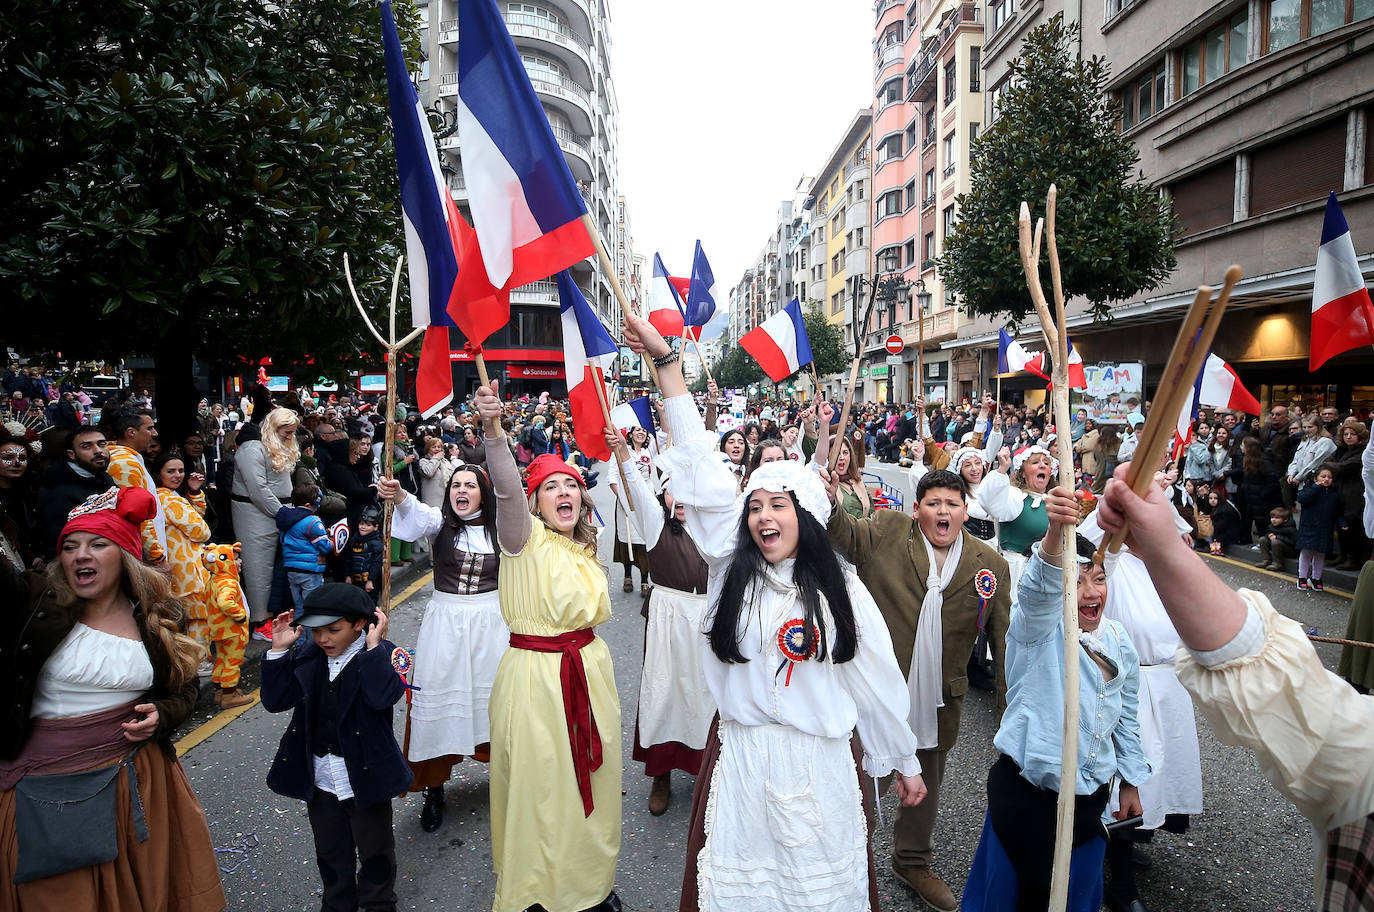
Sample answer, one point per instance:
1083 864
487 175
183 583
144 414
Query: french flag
430 221
1183 425
588 351
1342 314
1220 387
1011 358
665 301
780 343
526 207
704 298
635 413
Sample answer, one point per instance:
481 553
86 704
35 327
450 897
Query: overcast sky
724 105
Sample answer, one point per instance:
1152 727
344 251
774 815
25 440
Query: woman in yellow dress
555 713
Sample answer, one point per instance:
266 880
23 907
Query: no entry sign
894 344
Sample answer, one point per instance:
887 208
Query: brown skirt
435 771
696 828
173 870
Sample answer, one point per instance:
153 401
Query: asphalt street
1248 851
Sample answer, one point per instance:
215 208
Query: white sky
724 105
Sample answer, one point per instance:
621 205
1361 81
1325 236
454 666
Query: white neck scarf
925 681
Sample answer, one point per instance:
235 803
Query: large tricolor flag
635 413
780 343
1342 314
526 207
1011 358
665 301
430 221
704 298
588 351
1220 387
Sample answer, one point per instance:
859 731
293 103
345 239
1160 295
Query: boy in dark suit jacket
339 754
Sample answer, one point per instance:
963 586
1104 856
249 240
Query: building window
837 223
929 247
909 136
928 126
837 302
1217 53
1206 199
909 251
890 93
948 152
975 69
889 260
835 265
892 35
974 131
890 203
424 69
951 74
889 149
1286 22
858 238
1144 98
910 193
930 186
947 220
1298 168
835 187
1000 12
1116 6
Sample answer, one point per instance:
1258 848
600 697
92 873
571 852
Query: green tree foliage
737 369
185 175
1056 124
827 344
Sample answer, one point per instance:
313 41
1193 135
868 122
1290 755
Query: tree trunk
176 397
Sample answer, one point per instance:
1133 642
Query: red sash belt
583 737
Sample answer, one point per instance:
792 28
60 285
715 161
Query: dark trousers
1276 552
356 852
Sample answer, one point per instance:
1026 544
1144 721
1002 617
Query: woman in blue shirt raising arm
1014 861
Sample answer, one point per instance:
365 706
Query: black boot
432 814
609 904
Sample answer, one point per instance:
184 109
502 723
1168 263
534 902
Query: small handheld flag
703 298
665 304
780 343
588 351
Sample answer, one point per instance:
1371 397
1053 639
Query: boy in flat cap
341 686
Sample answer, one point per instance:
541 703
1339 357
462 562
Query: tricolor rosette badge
792 645
985 584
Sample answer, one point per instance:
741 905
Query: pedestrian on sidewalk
339 755
305 543
1318 521
462 635
1279 542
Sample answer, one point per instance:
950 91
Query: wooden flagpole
393 347
834 457
620 296
611 428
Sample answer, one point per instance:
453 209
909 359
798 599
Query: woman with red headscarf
555 713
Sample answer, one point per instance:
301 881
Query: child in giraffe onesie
227 622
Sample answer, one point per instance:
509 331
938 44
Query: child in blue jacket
339 754
305 542
366 551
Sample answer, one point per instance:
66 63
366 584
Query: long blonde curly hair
163 613
282 456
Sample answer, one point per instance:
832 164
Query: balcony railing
860 165
928 141
568 137
921 83
559 85
886 56
885 5
949 169
928 202
975 82
557 30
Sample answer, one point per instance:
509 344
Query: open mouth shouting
1090 614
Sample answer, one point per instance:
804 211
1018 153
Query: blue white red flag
780 343
635 413
588 351
427 212
1342 314
665 301
526 207
704 298
1012 358
1220 387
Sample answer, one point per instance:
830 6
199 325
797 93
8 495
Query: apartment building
565 46
927 110
1246 114
836 245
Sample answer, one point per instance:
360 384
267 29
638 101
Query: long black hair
488 500
816 571
744 439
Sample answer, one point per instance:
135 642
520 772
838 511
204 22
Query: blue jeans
301 584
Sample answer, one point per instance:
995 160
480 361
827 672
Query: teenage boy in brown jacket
893 553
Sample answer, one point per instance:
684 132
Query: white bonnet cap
785 475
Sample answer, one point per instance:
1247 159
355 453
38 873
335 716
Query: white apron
461 641
674 702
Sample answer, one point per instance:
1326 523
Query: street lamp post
891 289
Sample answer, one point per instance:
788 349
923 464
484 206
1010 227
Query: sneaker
1302 583
1317 585
1254 547
263 632
205 669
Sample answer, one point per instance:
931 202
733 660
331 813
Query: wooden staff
610 428
834 457
686 331
920 351
620 295
393 348
1190 350
1056 342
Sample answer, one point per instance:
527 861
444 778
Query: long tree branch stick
1057 344
609 266
388 448
834 457
348 276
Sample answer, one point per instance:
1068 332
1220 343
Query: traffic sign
894 344
894 359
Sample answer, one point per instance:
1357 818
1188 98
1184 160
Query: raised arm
512 509
646 520
413 519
